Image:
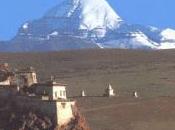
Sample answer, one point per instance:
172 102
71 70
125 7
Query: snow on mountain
77 24
167 39
25 26
55 33
166 45
132 40
90 14
153 29
82 18
168 34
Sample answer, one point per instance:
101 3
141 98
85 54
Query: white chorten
135 94
83 93
109 91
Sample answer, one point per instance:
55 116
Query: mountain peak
89 14
168 34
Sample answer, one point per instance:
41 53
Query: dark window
61 93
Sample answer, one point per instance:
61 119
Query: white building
52 89
55 97
25 77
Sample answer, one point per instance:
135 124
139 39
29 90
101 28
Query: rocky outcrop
14 118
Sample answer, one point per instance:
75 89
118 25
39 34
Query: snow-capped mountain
77 24
86 14
82 18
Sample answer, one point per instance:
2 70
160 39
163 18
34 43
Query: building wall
54 92
26 79
47 107
60 111
59 92
43 90
34 77
64 112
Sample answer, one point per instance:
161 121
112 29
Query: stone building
4 67
5 75
25 77
52 89
61 111
22 78
52 99
49 98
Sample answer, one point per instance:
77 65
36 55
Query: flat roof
26 70
51 84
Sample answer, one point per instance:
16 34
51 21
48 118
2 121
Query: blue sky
159 13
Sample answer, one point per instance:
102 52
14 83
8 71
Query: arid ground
151 73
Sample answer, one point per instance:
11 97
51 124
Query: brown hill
151 73
13 117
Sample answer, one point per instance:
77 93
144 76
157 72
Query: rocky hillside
14 118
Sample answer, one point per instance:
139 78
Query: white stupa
109 91
135 94
83 93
